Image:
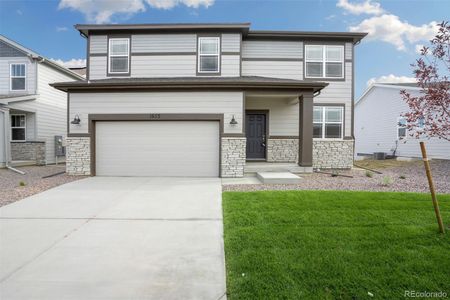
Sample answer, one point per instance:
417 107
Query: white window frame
399 127
19 127
199 54
323 123
110 55
11 76
324 60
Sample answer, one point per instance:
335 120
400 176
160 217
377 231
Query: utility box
60 150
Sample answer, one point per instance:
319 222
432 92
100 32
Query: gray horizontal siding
163 66
97 67
278 69
348 50
231 42
272 49
230 65
98 43
163 43
228 103
7 50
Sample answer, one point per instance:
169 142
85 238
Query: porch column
305 142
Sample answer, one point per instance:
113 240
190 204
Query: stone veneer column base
78 155
233 156
333 154
282 150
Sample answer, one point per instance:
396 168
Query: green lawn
334 245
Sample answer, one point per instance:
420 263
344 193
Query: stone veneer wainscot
29 150
334 154
282 150
78 157
233 156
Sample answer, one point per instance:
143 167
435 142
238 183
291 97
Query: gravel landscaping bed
396 177
10 182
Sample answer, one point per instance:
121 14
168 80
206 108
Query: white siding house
32 113
377 115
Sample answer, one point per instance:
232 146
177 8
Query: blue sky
396 28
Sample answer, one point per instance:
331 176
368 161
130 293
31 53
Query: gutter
7 154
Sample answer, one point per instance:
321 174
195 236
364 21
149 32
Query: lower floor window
401 128
18 129
328 122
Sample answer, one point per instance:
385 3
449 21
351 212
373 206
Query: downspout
7 154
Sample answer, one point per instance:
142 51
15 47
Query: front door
256 135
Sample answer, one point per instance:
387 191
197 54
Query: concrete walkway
115 238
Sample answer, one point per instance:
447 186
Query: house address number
155 116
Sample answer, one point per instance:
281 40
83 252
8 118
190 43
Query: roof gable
6 50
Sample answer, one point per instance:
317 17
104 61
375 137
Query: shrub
22 183
369 174
387 181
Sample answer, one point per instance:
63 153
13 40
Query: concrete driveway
115 238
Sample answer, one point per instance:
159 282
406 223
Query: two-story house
210 100
32 113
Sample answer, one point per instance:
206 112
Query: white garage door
157 148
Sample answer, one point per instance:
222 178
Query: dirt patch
396 176
14 186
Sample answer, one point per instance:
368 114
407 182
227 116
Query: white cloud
168 4
391 78
101 11
59 29
389 28
367 7
73 63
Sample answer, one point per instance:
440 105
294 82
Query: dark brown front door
256 135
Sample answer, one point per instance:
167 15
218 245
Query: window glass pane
317 117
209 46
332 130
421 123
314 53
333 114
17 83
314 69
401 122
402 132
119 47
18 70
209 64
18 134
333 69
119 64
333 53
317 130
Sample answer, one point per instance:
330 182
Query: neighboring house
379 126
32 113
210 100
79 70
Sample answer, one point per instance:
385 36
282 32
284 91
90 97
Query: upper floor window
18 77
208 54
18 127
119 55
324 61
328 122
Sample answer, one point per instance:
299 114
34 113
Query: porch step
254 167
278 178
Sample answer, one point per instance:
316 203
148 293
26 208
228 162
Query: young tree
429 113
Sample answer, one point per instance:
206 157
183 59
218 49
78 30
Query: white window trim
199 54
398 127
323 123
121 55
11 77
20 127
324 61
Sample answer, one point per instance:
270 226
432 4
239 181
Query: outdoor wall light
233 121
76 120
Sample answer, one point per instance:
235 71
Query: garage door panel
158 148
